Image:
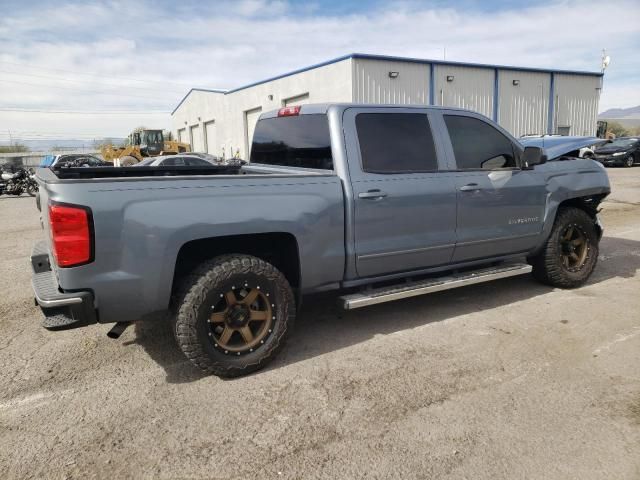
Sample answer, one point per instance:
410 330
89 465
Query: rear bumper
61 310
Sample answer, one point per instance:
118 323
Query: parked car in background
190 160
73 160
623 151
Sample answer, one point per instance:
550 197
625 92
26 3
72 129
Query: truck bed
66 173
141 223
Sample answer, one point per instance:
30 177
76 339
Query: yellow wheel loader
142 144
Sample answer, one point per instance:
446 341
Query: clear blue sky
144 56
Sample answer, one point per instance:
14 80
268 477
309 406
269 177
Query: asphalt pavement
509 379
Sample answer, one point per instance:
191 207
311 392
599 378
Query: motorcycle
17 183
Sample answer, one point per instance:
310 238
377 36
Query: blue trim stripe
432 84
295 72
214 90
552 103
496 95
464 64
365 56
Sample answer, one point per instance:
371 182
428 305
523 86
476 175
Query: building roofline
294 72
210 90
471 64
366 56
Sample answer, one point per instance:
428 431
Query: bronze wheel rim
241 320
574 247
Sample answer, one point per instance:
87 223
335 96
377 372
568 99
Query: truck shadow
322 327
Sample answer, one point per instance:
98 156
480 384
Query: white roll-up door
210 137
196 139
297 100
251 118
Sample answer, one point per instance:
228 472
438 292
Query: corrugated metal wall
576 103
372 84
523 108
471 88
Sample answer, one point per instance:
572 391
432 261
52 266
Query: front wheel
571 251
233 315
31 189
628 162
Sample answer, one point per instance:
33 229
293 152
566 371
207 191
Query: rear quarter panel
140 226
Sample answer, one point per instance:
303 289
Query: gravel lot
509 379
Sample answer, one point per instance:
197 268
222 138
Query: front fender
581 183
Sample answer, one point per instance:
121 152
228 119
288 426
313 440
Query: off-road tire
547 264
128 161
199 291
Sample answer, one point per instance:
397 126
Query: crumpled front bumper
61 309
612 161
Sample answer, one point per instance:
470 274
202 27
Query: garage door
182 135
210 137
197 144
251 118
297 100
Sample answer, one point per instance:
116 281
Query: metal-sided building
522 100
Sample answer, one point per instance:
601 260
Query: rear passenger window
396 143
196 162
477 145
173 162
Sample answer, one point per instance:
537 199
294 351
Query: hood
555 147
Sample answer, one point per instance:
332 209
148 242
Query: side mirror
533 156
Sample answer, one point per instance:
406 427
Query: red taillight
289 111
70 234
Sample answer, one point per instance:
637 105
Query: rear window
296 141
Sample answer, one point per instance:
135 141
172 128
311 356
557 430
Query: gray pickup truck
379 202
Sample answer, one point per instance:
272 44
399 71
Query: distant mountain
612 113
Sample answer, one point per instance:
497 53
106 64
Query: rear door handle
372 194
471 187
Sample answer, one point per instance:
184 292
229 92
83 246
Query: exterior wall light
270 97
516 82
394 74
450 78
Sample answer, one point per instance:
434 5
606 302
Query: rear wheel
233 315
571 252
128 161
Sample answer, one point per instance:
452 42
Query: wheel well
589 203
279 249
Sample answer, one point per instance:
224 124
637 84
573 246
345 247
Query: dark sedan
623 151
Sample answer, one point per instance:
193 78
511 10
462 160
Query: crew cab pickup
377 202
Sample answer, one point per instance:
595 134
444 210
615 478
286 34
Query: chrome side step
413 289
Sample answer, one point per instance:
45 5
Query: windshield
623 142
153 136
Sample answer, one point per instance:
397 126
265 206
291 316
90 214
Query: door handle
470 187
372 194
